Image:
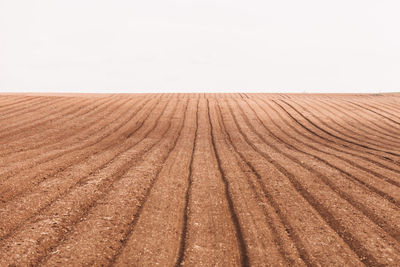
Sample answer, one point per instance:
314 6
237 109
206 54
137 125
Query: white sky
204 45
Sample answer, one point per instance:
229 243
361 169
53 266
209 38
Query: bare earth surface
199 180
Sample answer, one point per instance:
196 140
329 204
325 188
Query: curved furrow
45 156
13 119
210 235
103 125
363 115
54 164
27 111
363 126
354 130
387 104
33 125
326 143
391 106
385 108
64 184
375 111
200 179
88 192
377 118
182 243
33 122
9 103
68 136
364 148
69 125
131 226
383 174
23 106
50 106
351 107
63 125
145 245
328 213
298 218
362 119
356 201
227 188
277 238
108 200
164 205
338 133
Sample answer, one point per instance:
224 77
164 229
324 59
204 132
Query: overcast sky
204 45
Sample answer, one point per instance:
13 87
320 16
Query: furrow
60 130
350 144
43 107
103 133
375 111
360 117
271 237
131 226
129 190
182 243
297 217
23 108
15 103
346 140
211 235
344 150
239 235
162 211
89 191
338 157
325 212
116 135
360 128
358 204
32 122
356 135
68 134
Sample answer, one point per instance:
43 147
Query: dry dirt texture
200 180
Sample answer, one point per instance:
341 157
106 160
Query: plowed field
200 180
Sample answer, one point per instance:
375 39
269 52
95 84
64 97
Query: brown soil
199 179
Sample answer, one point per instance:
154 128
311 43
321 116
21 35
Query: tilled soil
199 180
